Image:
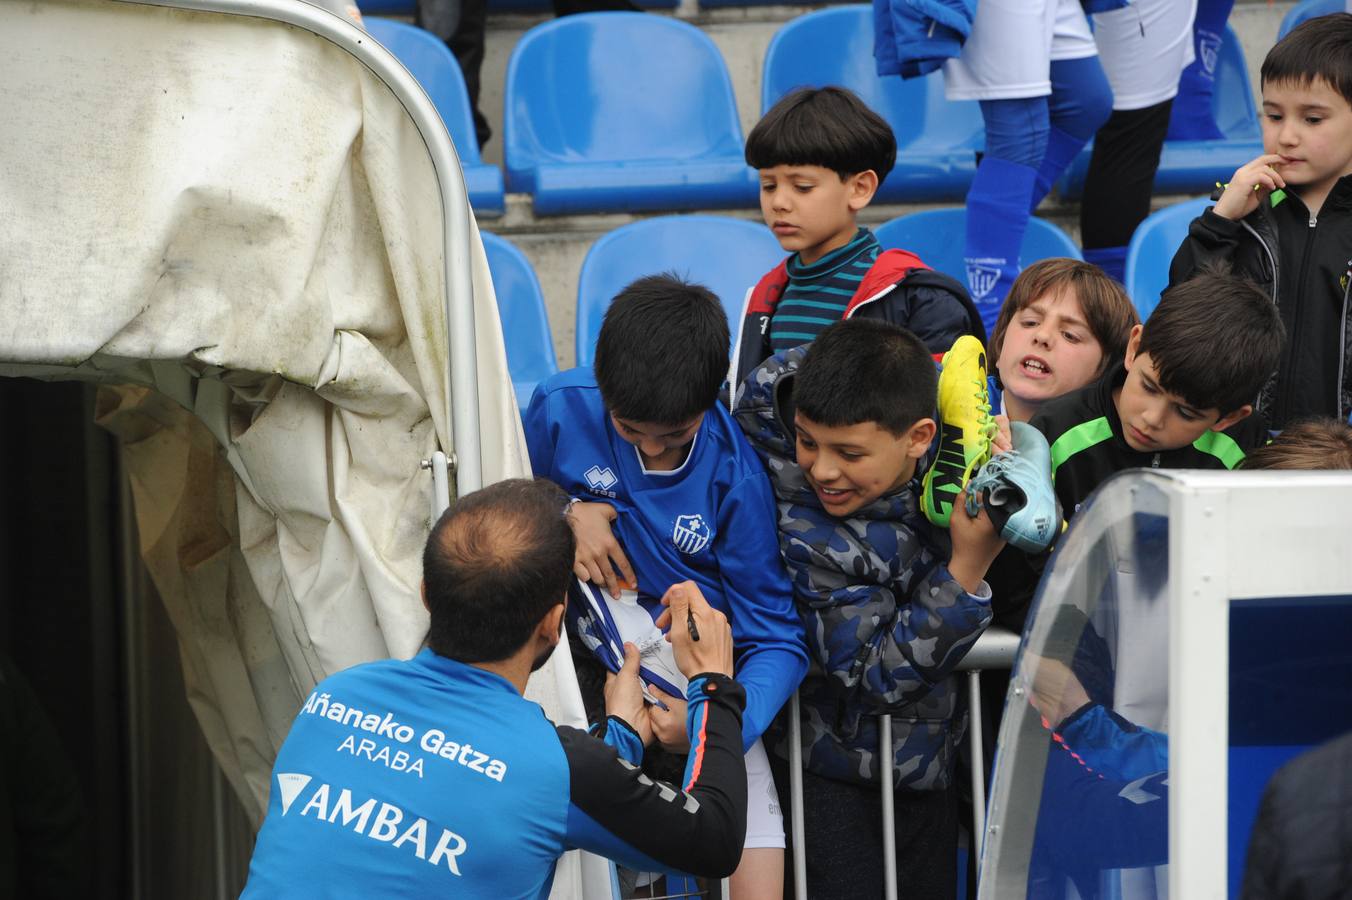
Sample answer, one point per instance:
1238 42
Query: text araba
433 740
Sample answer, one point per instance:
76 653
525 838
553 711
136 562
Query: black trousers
1122 175
842 826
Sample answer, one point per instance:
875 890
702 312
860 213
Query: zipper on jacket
1302 277
1342 343
1272 261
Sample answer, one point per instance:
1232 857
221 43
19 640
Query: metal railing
995 649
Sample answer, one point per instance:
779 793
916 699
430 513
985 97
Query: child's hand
598 553
1253 182
976 543
1003 441
624 696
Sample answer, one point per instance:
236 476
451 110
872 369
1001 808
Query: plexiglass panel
1290 667
1080 800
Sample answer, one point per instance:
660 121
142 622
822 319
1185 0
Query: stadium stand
726 255
521 308
937 140
1152 248
429 61
1308 9
620 112
936 236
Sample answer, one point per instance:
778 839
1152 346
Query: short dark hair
1308 444
1107 310
828 127
495 563
1316 48
662 353
1215 340
867 370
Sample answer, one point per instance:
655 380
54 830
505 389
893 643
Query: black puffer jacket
1305 264
1301 846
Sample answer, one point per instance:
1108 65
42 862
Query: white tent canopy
245 220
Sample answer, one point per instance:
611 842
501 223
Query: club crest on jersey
980 279
600 480
1209 49
691 535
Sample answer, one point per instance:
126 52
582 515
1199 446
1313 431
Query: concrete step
556 245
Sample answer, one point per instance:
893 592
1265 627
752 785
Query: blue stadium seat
433 64
1307 9
726 255
618 112
937 236
1152 248
937 139
521 308
1193 167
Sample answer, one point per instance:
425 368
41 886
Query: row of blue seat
625 112
728 255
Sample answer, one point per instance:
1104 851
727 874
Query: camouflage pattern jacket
885 621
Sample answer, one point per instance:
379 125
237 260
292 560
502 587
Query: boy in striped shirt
821 154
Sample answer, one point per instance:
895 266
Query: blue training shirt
711 521
432 778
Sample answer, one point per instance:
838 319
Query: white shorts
1009 53
764 819
1144 48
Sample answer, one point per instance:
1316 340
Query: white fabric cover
237 227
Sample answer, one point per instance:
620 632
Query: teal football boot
1016 489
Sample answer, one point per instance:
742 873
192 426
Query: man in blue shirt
666 482
435 777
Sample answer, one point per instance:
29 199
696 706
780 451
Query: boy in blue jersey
821 154
841 424
434 777
668 490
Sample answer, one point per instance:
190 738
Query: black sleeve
617 811
1211 238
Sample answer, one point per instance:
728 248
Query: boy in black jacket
1184 396
1285 219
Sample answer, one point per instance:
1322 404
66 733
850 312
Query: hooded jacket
1305 265
899 288
885 622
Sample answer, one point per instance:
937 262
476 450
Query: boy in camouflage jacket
841 425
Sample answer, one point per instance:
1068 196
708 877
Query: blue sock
1112 260
1191 117
1080 102
997 215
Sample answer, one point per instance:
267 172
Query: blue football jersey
711 521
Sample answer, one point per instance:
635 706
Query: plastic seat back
726 255
1307 9
1152 248
521 308
622 111
937 236
432 63
937 139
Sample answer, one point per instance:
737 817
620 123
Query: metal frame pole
796 799
889 814
978 763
